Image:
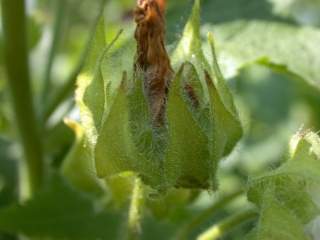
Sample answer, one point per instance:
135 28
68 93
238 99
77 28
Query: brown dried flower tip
152 58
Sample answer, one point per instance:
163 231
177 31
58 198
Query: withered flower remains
152 59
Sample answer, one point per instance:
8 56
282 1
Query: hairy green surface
115 151
285 195
180 154
187 164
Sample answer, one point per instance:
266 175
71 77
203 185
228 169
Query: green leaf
217 12
298 9
297 54
277 222
229 10
59 212
285 194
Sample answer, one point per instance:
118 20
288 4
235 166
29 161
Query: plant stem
218 230
65 91
17 66
58 24
135 211
206 214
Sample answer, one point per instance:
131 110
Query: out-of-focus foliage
268 52
303 11
60 212
274 46
77 167
8 174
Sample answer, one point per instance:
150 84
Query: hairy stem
135 211
68 87
225 226
206 214
60 11
17 66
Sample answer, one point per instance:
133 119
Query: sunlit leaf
286 48
285 194
219 12
277 222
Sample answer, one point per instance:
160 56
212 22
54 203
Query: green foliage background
269 55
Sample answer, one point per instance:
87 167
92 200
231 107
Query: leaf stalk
18 76
206 214
136 211
218 230
65 91
57 30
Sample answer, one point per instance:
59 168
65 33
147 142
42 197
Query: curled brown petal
152 59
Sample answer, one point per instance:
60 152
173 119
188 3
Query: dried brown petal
191 95
152 58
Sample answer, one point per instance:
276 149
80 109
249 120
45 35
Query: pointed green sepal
115 151
226 125
78 166
187 161
189 47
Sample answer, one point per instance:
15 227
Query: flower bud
169 125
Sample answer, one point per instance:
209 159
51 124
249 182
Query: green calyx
201 125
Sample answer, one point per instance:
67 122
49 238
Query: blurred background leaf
60 212
8 173
8 178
